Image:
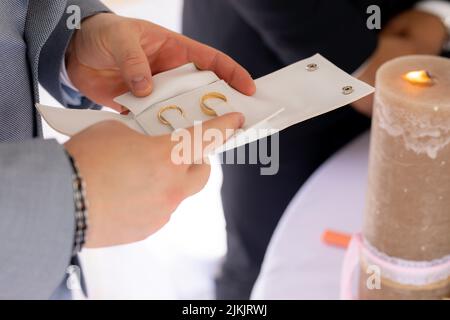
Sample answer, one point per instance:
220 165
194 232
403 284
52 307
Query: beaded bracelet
81 212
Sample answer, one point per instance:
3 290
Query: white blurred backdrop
180 261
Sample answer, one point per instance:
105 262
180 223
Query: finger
214 133
133 64
207 58
193 145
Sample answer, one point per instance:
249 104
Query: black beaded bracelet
81 208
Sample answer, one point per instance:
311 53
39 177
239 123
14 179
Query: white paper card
283 98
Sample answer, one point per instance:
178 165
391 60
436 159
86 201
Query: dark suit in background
263 36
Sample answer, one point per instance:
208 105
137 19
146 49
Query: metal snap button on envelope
347 90
312 67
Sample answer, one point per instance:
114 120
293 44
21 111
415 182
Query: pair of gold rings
205 109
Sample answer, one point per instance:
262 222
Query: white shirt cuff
70 94
64 77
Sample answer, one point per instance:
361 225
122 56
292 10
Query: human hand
426 32
412 32
132 185
111 54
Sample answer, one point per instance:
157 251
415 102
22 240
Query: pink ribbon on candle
406 272
350 266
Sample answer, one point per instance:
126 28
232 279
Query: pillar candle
407 216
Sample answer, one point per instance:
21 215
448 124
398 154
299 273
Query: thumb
226 125
133 64
214 133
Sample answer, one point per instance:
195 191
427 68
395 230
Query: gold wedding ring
164 109
211 95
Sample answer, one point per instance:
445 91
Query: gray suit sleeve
36 218
53 53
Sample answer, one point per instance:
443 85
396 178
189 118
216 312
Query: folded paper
283 98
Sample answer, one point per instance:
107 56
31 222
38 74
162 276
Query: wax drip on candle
419 77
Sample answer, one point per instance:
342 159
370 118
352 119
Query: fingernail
140 84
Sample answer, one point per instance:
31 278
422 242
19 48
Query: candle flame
420 77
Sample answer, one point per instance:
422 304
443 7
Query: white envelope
286 97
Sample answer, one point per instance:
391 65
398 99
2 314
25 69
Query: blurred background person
266 35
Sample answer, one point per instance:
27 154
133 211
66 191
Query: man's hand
110 55
412 32
132 185
426 32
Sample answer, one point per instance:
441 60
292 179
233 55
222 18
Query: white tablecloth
298 265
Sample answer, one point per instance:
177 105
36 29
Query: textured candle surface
408 203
